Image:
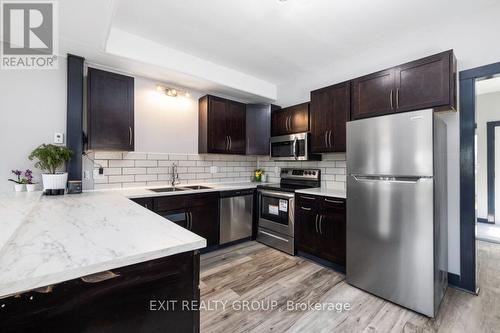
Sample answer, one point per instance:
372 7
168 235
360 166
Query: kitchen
192 181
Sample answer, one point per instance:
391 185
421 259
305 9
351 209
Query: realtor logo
29 35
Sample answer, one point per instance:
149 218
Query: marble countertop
325 192
46 240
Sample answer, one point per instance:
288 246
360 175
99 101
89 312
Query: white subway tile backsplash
157 156
134 171
152 169
145 178
121 163
147 163
108 155
158 170
121 179
112 171
134 156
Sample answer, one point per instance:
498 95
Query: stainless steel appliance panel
293 147
390 234
278 241
398 144
235 217
281 218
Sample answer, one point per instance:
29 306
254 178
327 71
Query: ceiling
268 43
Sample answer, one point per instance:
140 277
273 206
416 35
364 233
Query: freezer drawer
398 144
390 239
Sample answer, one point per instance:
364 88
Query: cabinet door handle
330 139
190 221
390 98
307 198
326 139
130 135
230 143
316 223
334 201
397 98
320 224
305 208
227 142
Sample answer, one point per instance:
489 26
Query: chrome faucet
175 175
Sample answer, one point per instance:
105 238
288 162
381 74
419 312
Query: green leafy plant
50 157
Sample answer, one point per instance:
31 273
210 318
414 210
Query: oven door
276 211
289 147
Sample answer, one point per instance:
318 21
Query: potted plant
28 176
51 158
258 175
19 182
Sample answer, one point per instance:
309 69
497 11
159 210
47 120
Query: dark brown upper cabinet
425 83
290 120
259 128
110 121
222 126
330 111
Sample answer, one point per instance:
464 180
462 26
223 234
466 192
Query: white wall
32 109
164 124
487 109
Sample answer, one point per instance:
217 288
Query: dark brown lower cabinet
198 213
321 227
145 297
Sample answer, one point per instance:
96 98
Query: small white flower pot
31 187
19 187
56 181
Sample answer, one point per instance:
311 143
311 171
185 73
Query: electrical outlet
97 175
86 174
58 138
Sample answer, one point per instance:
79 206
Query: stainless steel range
276 207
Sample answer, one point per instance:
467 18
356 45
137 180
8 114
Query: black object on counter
74 187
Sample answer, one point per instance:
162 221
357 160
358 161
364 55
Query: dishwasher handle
236 193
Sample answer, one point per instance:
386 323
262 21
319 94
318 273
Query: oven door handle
277 194
273 236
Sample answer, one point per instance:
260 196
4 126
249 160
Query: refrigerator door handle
390 179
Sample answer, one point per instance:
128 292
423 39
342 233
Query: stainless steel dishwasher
236 215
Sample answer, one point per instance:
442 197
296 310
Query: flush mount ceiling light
172 92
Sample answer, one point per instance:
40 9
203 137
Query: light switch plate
58 138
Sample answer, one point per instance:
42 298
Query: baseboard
322 262
483 220
221 246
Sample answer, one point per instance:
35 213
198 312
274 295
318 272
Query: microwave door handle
295 147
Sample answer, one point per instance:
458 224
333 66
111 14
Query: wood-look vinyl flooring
259 276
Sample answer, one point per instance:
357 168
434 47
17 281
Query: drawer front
306 200
169 203
333 203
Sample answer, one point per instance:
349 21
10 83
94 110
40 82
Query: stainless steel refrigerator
397 208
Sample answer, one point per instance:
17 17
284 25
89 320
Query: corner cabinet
329 114
425 83
198 213
320 227
222 126
110 104
290 120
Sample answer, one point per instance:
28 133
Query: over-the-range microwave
293 147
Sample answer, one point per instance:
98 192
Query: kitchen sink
167 189
197 187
